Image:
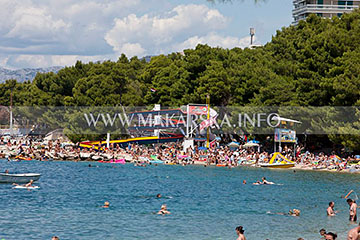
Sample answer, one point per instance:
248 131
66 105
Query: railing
324 8
298 1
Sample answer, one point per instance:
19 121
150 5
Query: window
350 3
341 3
320 2
339 14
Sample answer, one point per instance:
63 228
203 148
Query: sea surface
205 203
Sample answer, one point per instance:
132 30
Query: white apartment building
323 8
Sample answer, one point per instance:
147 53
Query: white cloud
214 40
70 27
37 24
36 61
156 33
42 33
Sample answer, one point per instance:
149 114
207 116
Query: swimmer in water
106 204
55 238
240 232
354 234
330 236
29 184
257 183
163 210
330 210
294 212
322 233
244 182
264 181
158 195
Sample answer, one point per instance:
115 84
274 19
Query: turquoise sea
206 203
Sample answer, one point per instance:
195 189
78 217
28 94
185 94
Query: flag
152 89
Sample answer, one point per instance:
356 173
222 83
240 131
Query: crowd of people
170 153
174 153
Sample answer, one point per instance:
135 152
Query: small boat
277 165
220 165
23 158
18 178
170 163
121 161
278 161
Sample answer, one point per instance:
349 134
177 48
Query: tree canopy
316 63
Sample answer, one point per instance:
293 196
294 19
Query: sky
43 33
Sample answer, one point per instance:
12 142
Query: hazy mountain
24 74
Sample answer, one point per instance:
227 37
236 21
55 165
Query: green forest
316 63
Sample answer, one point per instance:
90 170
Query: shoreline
136 163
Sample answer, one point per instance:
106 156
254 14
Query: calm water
206 203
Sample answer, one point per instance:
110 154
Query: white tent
250 144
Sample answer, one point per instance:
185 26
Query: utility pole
208 118
11 114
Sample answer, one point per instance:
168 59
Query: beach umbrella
234 144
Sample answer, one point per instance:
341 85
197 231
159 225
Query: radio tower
252 34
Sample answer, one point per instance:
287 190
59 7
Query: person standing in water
163 210
330 210
322 233
353 234
352 210
330 236
240 232
106 205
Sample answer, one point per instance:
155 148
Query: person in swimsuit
264 181
322 233
106 204
257 183
163 210
29 184
294 212
352 210
240 232
330 236
354 234
330 210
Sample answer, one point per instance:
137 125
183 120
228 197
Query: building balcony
322 8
